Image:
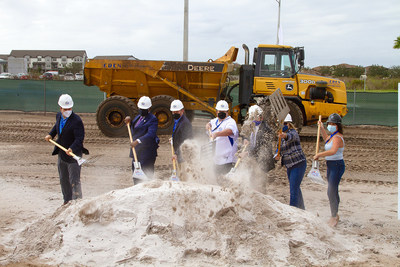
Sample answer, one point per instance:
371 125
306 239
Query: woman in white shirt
334 147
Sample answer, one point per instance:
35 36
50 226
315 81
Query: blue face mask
257 123
285 128
331 128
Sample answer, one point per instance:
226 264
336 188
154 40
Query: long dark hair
339 128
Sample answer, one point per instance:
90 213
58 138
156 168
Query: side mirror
300 57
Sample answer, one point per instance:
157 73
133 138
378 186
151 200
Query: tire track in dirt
369 149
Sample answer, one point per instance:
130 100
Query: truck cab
278 67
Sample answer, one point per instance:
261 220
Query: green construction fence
39 95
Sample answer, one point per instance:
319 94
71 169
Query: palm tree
397 43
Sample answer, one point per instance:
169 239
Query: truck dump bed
195 83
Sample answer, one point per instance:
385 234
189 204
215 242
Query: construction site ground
30 189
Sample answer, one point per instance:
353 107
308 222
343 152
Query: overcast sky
358 32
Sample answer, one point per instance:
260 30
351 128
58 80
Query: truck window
275 64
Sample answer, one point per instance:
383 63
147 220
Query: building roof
122 57
3 56
50 53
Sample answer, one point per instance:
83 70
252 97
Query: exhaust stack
246 54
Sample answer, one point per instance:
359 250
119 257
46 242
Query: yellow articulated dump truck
199 85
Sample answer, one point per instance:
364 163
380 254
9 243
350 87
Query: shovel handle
63 148
173 154
239 158
131 139
318 133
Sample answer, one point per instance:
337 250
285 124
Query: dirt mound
182 223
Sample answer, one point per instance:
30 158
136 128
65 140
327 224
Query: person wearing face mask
260 141
144 134
334 147
292 156
71 133
225 133
182 130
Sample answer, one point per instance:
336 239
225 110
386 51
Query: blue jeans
295 175
334 173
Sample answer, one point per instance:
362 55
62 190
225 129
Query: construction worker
225 133
71 133
182 130
293 158
261 137
144 134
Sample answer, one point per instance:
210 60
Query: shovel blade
139 174
79 160
231 173
315 175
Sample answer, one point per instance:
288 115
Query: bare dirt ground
29 185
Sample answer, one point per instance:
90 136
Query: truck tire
111 113
297 115
160 108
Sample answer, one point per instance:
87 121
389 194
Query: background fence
28 95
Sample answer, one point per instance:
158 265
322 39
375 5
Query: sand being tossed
163 222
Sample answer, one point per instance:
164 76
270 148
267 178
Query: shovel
207 150
281 109
314 173
174 176
78 159
233 170
137 172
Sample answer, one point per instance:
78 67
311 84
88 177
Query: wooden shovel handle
61 147
319 131
131 139
173 154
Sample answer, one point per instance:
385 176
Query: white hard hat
255 111
222 105
144 102
176 105
65 101
288 118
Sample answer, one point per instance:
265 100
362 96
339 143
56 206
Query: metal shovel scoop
174 176
78 159
314 173
137 172
280 109
207 150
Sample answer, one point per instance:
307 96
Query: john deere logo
289 87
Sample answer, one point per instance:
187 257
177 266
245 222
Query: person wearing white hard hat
260 141
181 131
225 133
71 134
294 159
145 140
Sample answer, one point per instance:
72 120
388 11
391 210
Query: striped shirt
291 151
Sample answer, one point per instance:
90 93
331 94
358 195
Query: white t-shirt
225 147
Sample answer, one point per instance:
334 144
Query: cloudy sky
359 32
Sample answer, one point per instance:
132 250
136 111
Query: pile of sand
164 222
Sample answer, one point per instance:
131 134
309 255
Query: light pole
185 30
279 21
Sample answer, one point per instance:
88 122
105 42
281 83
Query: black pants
70 179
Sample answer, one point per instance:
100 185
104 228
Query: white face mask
67 113
331 128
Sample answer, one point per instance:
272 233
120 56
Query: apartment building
45 60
